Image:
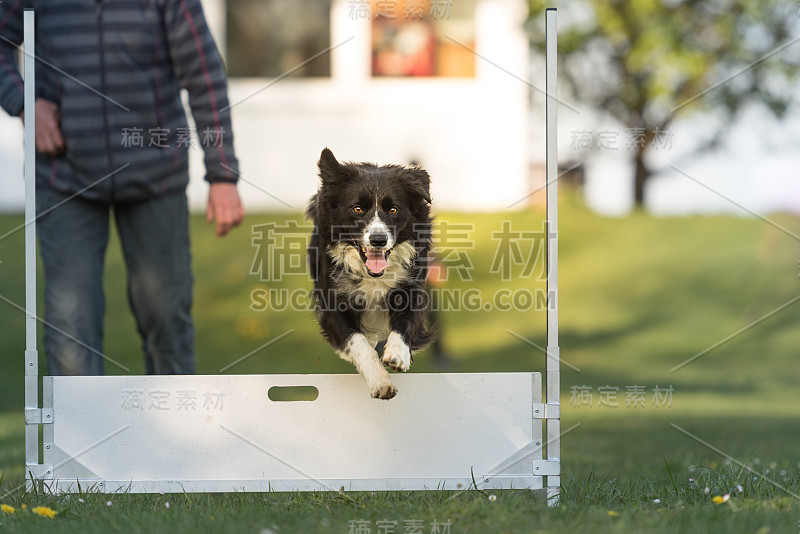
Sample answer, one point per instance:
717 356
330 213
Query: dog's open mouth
375 260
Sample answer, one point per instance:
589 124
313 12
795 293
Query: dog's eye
357 209
393 210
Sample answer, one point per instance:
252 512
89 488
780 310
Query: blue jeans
73 235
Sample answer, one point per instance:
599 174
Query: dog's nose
378 240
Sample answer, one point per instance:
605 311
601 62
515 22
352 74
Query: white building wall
469 133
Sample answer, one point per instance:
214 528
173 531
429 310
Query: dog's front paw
396 355
383 390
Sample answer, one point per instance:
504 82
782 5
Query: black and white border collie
368 257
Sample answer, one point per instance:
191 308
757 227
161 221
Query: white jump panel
223 433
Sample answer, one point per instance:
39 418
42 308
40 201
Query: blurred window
268 38
422 37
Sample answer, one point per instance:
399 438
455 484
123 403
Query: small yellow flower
24 506
8 509
719 499
612 513
44 511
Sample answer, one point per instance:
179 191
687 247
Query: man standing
112 138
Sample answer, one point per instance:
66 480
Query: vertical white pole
552 412
31 354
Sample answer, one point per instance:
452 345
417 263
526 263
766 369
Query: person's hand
224 206
48 130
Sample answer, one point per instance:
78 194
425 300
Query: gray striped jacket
116 69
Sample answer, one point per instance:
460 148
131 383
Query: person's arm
12 94
199 69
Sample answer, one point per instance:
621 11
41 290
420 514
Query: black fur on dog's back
336 303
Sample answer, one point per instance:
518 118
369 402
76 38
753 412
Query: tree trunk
642 174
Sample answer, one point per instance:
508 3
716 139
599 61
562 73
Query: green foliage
646 61
640 59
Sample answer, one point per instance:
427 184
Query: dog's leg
397 355
360 353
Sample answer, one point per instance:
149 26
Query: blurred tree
644 61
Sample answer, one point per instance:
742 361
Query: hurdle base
147 434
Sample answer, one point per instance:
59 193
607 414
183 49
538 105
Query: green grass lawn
639 296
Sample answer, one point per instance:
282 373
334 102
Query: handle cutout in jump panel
293 393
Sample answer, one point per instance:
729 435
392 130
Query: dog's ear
329 168
419 182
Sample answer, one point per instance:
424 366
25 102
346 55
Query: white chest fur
375 325
368 292
375 316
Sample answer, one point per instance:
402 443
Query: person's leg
73 235
155 243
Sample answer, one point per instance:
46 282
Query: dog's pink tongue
376 261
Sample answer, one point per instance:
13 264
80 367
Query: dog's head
371 212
